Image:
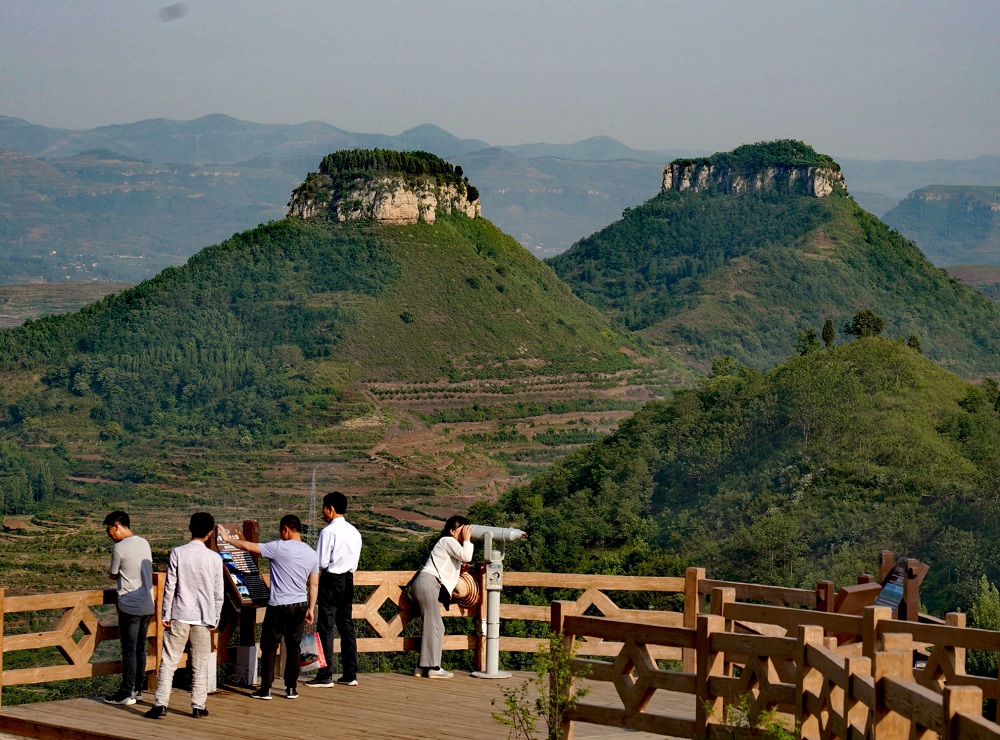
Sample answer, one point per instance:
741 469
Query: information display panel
892 587
244 583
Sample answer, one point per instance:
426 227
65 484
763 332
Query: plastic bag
311 652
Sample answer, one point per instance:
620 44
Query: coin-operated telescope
493 560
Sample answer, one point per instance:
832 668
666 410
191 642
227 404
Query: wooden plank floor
384 705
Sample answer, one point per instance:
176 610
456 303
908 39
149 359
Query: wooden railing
759 639
823 695
943 646
77 617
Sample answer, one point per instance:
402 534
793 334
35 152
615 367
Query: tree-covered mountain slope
952 224
789 477
233 336
714 270
422 365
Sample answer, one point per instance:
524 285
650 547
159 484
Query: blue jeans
133 629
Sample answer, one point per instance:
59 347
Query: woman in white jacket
443 568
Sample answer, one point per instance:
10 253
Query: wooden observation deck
383 705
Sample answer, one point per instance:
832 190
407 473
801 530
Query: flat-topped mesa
384 186
785 166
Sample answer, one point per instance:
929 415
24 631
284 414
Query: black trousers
281 622
336 602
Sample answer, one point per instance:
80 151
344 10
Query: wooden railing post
855 711
809 682
1 644
956 654
719 598
869 635
890 725
825 596
964 699
909 607
886 562
559 611
692 608
708 709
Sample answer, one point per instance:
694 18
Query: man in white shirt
294 583
338 549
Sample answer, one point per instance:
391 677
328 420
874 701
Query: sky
862 79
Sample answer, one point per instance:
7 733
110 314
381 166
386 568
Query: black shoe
345 681
195 712
156 712
261 694
291 693
120 697
319 682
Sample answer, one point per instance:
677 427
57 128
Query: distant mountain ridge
218 175
952 224
720 273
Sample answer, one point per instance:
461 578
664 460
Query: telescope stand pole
494 584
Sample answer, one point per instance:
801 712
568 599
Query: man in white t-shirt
294 585
132 571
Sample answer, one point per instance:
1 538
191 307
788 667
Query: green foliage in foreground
547 697
788 477
710 274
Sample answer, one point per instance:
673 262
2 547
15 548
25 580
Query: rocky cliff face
794 179
385 198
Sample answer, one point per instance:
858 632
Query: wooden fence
779 645
821 694
385 611
76 634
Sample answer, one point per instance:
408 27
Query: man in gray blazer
192 605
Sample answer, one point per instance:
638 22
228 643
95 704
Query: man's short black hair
291 521
117 517
201 524
337 500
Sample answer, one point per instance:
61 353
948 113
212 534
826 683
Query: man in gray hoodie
192 605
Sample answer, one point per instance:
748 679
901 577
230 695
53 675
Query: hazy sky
856 79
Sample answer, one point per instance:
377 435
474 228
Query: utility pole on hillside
313 533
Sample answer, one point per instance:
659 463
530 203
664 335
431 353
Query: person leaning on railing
440 574
132 571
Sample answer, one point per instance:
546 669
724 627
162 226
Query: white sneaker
439 673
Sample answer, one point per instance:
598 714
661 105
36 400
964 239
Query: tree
914 343
985 615
865 323
829 334
807 342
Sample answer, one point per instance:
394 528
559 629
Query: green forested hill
708 274
799 474
232 339
953 224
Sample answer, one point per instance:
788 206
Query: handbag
311 652
444 595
